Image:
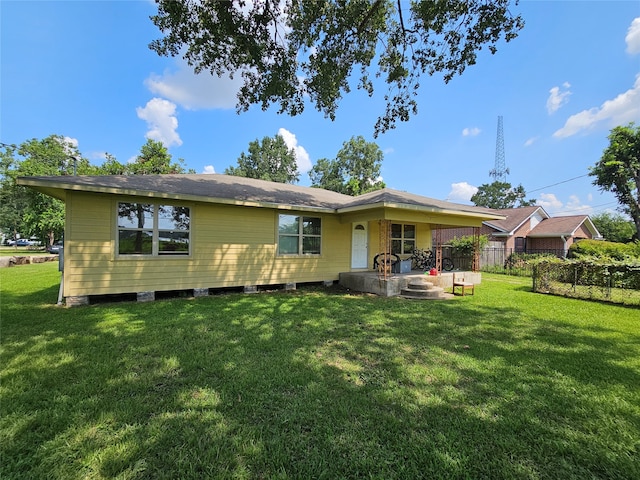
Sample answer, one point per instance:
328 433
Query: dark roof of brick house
515 218
563 226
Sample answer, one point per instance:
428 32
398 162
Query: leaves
289 51
269 160
618 170
501 195
356 169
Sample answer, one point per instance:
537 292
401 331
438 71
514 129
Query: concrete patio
372 282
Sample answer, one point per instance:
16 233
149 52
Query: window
150 229
520 244
298 235
403 238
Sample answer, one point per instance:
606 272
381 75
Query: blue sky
83 69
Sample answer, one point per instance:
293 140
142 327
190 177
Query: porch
392 285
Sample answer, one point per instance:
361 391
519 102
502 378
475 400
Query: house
152 233
532 230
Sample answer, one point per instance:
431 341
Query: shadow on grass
314 385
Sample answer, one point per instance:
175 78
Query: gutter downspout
564 246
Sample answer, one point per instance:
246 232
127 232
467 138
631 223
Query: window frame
155 230
403 238
300 235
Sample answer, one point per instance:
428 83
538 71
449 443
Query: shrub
464 246
605 250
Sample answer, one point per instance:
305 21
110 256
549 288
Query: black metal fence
617 283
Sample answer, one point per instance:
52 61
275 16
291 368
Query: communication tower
499 172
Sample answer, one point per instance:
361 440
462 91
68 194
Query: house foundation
200 292
146 296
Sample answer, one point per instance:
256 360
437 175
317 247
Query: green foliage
618 171
605 250
614 228
269 160
501 195
356 169
290 52
29 213
590 278
522 263
154 159
24 210
465 246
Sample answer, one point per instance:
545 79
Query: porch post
384 241
476 249
438 248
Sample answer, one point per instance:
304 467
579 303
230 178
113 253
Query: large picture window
403 238
298 235
150 229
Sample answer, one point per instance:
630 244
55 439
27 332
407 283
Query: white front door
359 250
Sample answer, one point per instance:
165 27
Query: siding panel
230 246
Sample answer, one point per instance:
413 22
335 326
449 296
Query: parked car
23 242
55 248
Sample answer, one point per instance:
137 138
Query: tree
356 169
269 160
154 159
24 210
501 195
287 51
614 228
27 212
618 171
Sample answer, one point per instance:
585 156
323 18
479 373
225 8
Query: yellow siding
230 246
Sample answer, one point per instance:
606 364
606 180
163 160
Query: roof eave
59 191
418 208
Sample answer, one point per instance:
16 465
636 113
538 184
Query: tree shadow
310 385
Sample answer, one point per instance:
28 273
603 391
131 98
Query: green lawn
316 383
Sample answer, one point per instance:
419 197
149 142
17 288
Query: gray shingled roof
232 189
211 187
388 196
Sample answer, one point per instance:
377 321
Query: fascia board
418 208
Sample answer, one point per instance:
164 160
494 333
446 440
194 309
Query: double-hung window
152 229
403 238
299 235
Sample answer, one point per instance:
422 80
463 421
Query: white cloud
555 207
633 37
302 157
160 115
471 132
621 110
558 97
531 141
575 207
72 142
193 92
549 202
461 192
209 169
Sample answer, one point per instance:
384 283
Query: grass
316 383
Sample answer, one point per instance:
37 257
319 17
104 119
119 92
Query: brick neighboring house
531 230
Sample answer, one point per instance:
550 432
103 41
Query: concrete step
420 285
432 292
